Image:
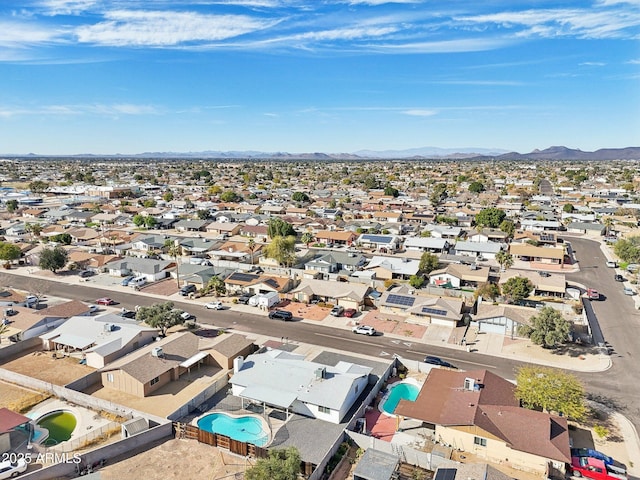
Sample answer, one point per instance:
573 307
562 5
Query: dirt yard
43 366
12 395
176 459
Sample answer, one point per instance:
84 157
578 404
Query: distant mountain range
424 153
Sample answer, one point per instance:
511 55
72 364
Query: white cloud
21 34
94 109
66 7
593 64
420 113
138 28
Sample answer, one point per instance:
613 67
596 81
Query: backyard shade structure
76 342
9 421
376 465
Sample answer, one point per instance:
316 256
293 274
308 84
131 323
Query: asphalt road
620 325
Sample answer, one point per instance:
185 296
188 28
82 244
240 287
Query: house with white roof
100 339
288 382
427 244
486 250
393 267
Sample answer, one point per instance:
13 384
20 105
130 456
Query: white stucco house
286 381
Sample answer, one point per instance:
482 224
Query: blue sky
130 76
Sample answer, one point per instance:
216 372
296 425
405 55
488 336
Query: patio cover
74 341
194 359
271 396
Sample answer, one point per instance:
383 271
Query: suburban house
545 284
191 225
286 381
223 228
477 412
502 319
239 282
325 264
99 340
336 237
155 365
381 243
456 275
480 250
401 268
540 257
540 225
349 295
489 235
427 244
152 270
587 228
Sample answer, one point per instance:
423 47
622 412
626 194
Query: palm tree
307 238
608 223
175 250
251 245
505 259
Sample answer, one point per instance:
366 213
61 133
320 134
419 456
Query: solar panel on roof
376 238
446 474
401 300
244 277
434 311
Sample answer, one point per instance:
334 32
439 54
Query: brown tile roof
230 345
492 407
65 310
532 251
10 419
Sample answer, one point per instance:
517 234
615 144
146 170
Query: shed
376 465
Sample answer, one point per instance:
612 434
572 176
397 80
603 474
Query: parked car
125 281
337 311
612 464
86 273
628 291
612 264
213 306
281 314
618 278
186 316
244 298
594 468
187 289
137 282
364 330
105 301
593 294
633 267
31 301
9 469
350 312
93 308
438 361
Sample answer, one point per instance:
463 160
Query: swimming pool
60 425
247 428
399 391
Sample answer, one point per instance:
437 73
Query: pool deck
86 419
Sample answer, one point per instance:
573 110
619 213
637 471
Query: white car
364 330
186 316
214 306
9 469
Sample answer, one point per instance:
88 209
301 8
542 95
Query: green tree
150 221
476 187
281 249
490 217
230 196
505 259
428 263
568 208
12 206
438 194
9 251
307 238
53 258
370 182
279 465
217 285
551 390
628 249
174 250
517 288
488 290
549 328
63 238
391 191
138 220
160 315
276 227
300 197
508 227
251 245
203 214
38 186
167 196
416 281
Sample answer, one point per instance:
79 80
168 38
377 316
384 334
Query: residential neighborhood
149 301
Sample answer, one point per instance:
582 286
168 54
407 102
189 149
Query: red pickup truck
593 294
594 468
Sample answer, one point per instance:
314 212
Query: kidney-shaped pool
247 428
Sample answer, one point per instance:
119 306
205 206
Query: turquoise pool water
399 391
244 429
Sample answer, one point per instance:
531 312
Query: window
155 380
110 377
480 441
324 409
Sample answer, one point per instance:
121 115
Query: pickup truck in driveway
593 294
